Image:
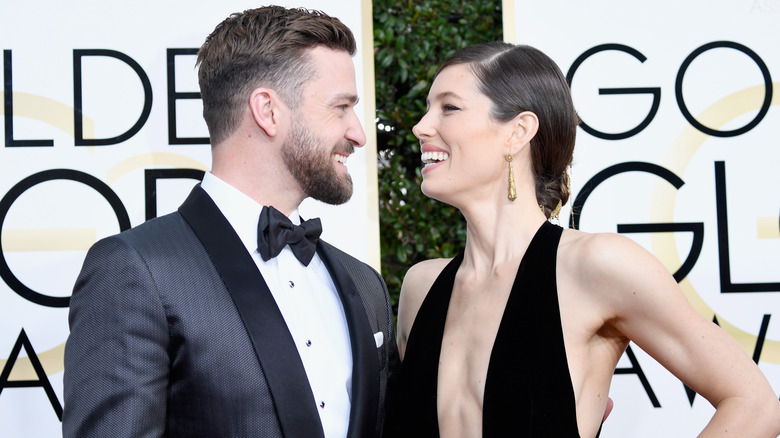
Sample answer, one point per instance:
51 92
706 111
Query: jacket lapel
273 344
365 362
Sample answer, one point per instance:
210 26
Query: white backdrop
59 192
705 160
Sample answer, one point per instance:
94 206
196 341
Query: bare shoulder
600 245
604 256
417 282
611 268
420 277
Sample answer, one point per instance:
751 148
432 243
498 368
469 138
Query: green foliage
411 39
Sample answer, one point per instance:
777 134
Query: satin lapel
271 339
365 362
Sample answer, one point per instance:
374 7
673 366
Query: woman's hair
263 47
522 78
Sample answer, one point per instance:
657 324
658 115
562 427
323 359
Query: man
206 322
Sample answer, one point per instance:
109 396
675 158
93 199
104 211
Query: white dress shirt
309 303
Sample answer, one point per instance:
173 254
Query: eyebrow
348 97
441 96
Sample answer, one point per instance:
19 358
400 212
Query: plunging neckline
515 289
528 389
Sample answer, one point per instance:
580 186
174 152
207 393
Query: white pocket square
379 338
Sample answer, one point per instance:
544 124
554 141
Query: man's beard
307 161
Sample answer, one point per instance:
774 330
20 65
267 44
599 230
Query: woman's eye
450 108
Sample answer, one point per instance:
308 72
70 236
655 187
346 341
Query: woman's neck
501 233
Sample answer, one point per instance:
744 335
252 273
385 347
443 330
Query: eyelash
450 108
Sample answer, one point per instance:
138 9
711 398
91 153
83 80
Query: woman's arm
651 310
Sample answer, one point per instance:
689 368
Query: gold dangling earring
512 195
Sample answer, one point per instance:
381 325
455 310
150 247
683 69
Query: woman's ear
264 105
524 127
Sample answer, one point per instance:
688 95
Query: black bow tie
274 231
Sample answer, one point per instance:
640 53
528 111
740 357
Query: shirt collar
239 209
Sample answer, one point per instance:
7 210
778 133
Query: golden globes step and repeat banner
679 148
103 130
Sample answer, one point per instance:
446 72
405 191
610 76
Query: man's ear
524 127
264 104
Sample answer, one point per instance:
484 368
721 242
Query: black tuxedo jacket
174 333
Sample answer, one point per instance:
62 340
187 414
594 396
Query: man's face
325 129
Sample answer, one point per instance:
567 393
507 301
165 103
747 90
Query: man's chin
333 196
333 200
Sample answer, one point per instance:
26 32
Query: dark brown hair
261 47
522 78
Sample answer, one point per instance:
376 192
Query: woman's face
462 147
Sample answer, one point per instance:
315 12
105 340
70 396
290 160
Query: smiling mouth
340 158
429 158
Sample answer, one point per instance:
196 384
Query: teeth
341 158
430 157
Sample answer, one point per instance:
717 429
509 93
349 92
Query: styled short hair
522 78
265 47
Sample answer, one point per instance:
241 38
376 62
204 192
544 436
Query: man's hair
263 47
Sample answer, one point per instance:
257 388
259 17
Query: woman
519 335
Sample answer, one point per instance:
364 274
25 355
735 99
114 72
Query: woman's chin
427 190
431 192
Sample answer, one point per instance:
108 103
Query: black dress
528 391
